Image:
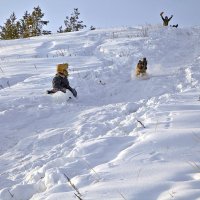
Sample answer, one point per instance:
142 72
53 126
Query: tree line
32 24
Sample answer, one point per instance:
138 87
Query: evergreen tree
25 25
10 30
73 24
32 24
92 28
77 25
60 30
37 23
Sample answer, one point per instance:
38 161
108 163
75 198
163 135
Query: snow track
97 140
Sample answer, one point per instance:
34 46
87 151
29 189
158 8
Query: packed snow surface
123 137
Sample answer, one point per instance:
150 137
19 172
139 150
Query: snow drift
96 147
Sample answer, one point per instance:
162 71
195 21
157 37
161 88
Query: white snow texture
95 147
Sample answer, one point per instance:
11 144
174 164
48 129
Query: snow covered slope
95 147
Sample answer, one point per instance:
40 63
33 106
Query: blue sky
107 13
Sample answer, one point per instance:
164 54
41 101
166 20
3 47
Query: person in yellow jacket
60 81
165 19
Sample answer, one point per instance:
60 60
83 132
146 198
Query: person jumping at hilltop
165 19
60 81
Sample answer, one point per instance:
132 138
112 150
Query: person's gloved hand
50 92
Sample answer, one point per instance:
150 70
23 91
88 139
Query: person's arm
161 14
170 17
68 87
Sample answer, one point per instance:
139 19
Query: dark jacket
60 82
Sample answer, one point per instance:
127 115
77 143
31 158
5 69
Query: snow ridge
96 140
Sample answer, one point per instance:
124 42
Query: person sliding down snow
60 81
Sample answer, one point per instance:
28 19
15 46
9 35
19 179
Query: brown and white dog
141 67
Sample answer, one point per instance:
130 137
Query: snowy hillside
94 147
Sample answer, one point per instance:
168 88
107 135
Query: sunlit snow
95 147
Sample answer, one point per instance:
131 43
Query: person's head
140 62
62 68
166 17
144 59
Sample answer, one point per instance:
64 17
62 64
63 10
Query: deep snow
96 140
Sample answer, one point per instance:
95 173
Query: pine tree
37 23
32 24
72 24
60 30
92 28
68 24
10 30
25 25
77 25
